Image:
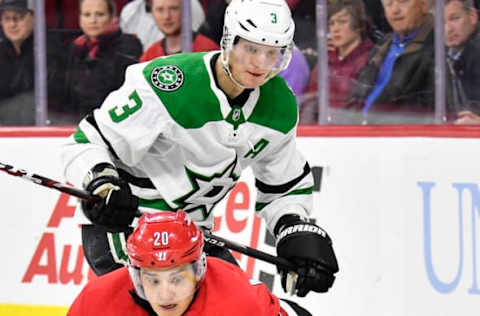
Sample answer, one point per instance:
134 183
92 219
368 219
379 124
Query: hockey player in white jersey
181 129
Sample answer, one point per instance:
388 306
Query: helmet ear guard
134 273
200 267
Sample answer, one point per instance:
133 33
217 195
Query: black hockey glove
310 248
116 208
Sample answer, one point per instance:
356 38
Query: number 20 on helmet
165 240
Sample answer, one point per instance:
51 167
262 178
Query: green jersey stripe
80 137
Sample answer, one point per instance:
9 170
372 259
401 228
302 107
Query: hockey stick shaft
46 182
85 195
251 252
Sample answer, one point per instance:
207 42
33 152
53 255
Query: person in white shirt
135 18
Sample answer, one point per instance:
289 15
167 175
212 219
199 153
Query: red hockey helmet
166 240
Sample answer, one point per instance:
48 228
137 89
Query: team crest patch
167 78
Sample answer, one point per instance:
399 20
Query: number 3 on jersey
117 115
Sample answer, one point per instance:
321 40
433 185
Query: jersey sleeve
123 128
284 182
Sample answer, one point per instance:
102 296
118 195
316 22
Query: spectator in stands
64 14
17 104
62 18
135 18
347 25
462 38
97 60
399 76
17 99
168 17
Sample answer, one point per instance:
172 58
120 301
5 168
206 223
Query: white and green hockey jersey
174 137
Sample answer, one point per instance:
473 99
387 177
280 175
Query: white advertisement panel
402 214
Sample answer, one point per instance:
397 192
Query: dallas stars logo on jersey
167 78
207 191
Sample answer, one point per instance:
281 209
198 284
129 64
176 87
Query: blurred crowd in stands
381 56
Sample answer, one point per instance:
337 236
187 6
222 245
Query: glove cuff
98 171
285 221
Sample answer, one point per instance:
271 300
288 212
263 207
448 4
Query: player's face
17 26
341 31
167 15
459 23
169 291
94 17
251 63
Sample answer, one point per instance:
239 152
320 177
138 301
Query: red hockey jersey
226 291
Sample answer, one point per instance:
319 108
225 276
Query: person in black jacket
397 84
97 59
17 99
16 61
462 38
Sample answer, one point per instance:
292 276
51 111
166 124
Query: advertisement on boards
403 214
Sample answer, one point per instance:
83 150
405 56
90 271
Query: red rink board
447 131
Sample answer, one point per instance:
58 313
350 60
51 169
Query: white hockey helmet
265 22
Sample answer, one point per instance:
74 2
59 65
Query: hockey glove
117 207
310 248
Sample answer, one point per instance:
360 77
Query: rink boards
402 208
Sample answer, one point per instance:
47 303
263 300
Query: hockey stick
251 252
46 182
85 195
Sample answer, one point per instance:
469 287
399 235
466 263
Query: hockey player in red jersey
169 275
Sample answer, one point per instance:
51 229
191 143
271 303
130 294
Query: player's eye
176 280
252 49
